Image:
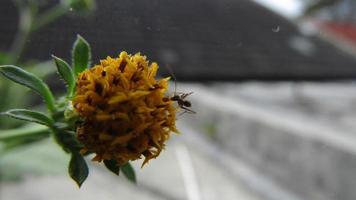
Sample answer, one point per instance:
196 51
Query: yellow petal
103 117
118 98
124 82
80 98
120 115
105 137
122 139
83 151
144 109
138 94
97 158
152 71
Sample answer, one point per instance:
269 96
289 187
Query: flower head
125 111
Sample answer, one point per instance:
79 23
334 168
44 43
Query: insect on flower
179 97
182 103
126 113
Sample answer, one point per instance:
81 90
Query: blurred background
273 85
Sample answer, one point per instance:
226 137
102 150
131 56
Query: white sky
286 8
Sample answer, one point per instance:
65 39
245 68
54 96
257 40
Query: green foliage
112 166
33 15
40 159
31 81
67 140
30 116
24 141
126 169
82 6
22 136
129 172
61 120
66 73
78 168
81 55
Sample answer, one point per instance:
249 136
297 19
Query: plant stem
26 14
30 22
25 23
24 131
49 16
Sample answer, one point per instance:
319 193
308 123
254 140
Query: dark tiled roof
199 39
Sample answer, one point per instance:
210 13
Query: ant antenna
170 71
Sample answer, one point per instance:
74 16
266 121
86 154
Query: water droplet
276 29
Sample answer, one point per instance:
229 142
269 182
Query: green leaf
31 81
112 166
129 172
66 73
81 55
67 140
78 168
30 116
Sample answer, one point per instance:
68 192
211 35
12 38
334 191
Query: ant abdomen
187 104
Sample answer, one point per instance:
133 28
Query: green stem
25 135
49 16
25 131
51 103
25 23
30 23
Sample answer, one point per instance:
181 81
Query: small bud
70 114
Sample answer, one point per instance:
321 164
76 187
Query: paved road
181 172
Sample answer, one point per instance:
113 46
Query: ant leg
186 94
183 113
188 110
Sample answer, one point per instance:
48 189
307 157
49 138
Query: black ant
182 103
180 98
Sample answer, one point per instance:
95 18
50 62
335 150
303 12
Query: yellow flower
125 111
